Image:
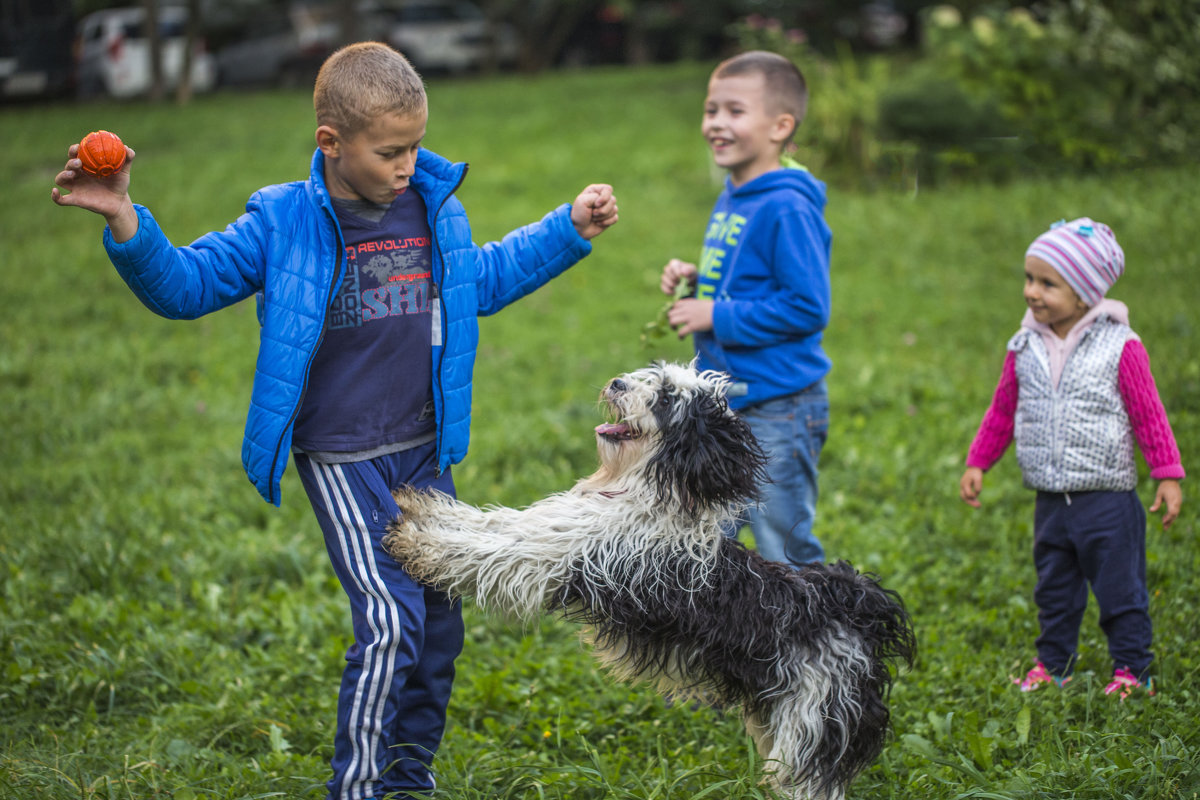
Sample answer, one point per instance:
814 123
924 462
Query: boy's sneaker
1038 677
1124 682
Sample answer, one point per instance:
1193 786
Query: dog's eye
664 400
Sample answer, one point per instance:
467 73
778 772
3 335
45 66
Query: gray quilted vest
1075 438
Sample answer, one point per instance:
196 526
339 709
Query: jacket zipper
1057 446
437 287
341 253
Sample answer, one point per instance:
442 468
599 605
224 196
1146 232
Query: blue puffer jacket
288 247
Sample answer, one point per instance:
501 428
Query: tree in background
154 40
183 92
543 26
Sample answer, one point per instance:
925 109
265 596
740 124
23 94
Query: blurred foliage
838 138
1066 84
1084 82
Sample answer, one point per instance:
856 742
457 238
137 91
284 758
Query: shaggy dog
637 552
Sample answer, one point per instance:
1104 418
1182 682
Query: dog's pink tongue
612 429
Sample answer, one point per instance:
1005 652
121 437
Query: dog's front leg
489 555
439 540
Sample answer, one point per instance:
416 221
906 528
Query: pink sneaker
1038 677
1124 682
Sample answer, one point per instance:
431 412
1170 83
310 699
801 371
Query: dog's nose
617 385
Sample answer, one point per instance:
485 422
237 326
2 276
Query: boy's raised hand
108 197
594 210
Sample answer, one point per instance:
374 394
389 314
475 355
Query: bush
1083 82
1077 84
948 129
839 136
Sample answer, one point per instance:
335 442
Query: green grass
165 634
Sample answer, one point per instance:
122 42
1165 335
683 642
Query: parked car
35 49
280 49
114 53
446 35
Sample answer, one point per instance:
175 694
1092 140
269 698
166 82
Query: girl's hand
594 210
970 485
108 197
1170 496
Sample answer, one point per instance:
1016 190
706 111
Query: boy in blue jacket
762 296
369 287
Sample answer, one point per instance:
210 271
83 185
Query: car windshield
167 29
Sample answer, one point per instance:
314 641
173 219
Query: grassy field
165 634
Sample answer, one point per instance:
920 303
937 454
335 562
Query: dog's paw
415 506
395 542
414 503
400 539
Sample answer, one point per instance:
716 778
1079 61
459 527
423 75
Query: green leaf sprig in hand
659 327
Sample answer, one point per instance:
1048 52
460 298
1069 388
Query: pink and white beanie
1085 253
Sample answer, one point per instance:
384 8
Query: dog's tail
884 628
878 614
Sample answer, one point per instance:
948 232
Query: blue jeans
792 430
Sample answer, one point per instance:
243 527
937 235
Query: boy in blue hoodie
762 296
369 285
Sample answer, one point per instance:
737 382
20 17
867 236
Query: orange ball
102 153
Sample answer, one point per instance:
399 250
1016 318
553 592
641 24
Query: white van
114 53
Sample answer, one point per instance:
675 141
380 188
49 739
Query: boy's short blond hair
785 83
361 82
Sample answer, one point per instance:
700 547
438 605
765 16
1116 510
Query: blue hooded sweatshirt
765 264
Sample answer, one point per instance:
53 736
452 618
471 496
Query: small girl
1075 392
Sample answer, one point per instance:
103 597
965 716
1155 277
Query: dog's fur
636 551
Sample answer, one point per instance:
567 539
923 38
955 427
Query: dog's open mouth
616 431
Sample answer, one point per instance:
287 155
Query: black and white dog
637 552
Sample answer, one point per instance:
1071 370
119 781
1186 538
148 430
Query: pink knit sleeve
1146 413
996 431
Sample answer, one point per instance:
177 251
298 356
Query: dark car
445 35
36 57
280 49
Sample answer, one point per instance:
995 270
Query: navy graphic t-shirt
371 387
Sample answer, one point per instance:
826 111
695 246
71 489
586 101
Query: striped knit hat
1085 253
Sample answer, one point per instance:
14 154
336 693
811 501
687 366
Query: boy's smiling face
744 132
376 163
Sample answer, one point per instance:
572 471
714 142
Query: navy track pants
399 670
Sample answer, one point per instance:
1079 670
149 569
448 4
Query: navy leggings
1096 539
400 668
